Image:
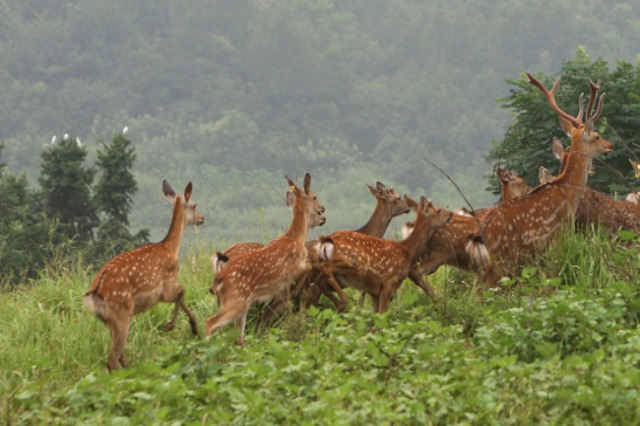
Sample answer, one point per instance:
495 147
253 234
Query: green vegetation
560 345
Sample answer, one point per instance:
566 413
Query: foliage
66 189
113 196
291 86
555 347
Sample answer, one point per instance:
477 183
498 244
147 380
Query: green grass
560 345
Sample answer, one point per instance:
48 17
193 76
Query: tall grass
560 345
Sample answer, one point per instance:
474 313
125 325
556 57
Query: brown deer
447 246
262 274
373 265
518 228
135 281
596 208
511 184
389 204
219 260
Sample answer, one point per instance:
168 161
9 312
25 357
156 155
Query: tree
114 196
66 189
23 230
526 145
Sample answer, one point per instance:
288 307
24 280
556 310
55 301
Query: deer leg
119 332
192 318
172 322
416 275
276 305
342 304
229 312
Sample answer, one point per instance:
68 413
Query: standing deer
135 281
519 227
373 265
262 274
597 208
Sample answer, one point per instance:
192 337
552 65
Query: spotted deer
511 184
518 228
447 246
596 209
389 204
373 265
219 260
135 281
262 274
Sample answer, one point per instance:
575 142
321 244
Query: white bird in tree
125 130
78 143
65 137
53 140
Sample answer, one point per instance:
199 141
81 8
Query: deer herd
492 242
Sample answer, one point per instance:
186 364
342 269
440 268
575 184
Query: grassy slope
561 348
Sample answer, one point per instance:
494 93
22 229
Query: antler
595 87
551 97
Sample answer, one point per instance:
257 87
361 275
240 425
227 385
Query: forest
233 94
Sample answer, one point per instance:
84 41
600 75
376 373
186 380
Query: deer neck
415 243
300 223
378 222
575 172
173 239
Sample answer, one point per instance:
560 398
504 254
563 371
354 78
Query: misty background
233 94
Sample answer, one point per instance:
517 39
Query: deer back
261 274
134 281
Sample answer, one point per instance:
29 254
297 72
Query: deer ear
544 175
307 183
410 202
291 198
187 191
566 125
380 187
373 190
169 193
557 149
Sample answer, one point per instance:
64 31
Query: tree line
71 213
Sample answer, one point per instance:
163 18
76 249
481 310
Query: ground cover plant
559 345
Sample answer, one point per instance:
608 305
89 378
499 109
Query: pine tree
66 189
114 196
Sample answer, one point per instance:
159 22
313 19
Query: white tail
134 281
262 274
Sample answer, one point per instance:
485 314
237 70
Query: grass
560 345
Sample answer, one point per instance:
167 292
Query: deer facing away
262 274
135 281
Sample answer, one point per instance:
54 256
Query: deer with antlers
135 281
373 265
262 274
596 208
518 228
